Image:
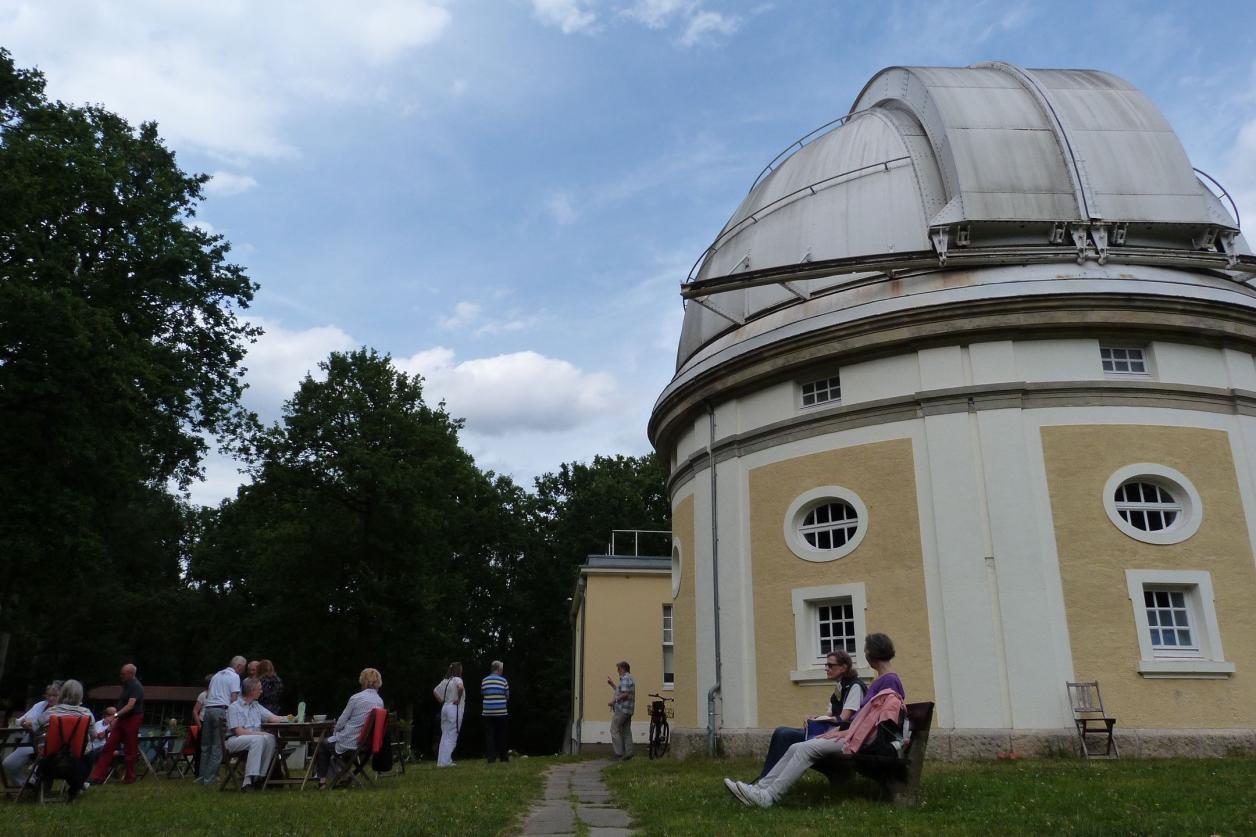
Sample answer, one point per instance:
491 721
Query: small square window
1176 621
822 391
827 619
1123 360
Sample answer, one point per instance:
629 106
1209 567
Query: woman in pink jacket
883 699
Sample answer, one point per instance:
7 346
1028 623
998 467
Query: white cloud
226 183
705 26
280 360
570 16
658 14
465 313
561 208
218 77
511 393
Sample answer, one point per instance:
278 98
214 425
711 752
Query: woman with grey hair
71 763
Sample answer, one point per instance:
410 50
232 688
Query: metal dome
961 168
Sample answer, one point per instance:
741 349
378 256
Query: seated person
349 724
73 769
100 732
843 704
17 762
244 732
883 699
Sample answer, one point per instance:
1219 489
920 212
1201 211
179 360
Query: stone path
575 792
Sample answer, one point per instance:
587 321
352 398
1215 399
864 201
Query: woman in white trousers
449 692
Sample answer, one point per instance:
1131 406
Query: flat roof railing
636 540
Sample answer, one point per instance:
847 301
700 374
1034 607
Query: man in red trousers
125 729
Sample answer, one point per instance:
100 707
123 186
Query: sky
504 195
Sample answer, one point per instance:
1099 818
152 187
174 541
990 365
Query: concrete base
980 744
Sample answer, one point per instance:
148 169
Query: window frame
826 381
1144 351
1182 489
806 604
815 497
668 630
1207 660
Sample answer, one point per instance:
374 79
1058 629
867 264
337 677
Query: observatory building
972 366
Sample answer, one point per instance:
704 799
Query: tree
120 350
366 538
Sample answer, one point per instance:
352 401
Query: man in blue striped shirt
494 690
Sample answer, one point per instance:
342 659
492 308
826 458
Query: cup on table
320 717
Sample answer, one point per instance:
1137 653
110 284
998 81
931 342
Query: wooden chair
350 767
235 762
1091 720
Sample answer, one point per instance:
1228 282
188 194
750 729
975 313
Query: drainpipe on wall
715 585
575 734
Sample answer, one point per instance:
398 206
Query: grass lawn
472 798
1024 797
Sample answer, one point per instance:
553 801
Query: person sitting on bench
883 700
843 704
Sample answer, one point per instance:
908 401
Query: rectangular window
1169 622
827 618
1175 618
669 670
823 391
1123 360
835 626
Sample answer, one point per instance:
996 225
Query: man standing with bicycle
622 706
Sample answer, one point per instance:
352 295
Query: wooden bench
899 777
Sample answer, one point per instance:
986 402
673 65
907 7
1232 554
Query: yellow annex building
974 367
621 610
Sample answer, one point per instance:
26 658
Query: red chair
352 764
60 756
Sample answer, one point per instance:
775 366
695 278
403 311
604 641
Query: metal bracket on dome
963 235
1099 234
1078 233
732 319
1206 240
1227 246
1057 232
1118 234
940 236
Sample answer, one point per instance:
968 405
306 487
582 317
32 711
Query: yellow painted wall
888 562
684 619
1094 556
623 621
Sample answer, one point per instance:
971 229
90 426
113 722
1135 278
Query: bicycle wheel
665 738
656 731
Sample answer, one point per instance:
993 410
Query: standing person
495 691
224 688
244 732
16 762
125 728
449 692
622 705
349 725
199 706
272 686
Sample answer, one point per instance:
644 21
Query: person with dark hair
622 705
883 701
449 692
845 701
272 686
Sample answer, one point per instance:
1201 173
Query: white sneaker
757 796
735 789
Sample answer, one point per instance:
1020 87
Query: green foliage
1023 797
119 351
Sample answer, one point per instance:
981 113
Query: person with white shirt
244 733
344 738
17 762
224 688
100 732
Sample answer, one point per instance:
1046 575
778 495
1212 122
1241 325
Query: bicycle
660 733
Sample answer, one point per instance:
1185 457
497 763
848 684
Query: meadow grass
1048 796
472 798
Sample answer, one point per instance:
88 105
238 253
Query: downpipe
712 722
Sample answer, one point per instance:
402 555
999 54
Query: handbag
886 742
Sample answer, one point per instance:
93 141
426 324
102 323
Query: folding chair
65 733
397 740
185 759
1091 720
235 762
350 767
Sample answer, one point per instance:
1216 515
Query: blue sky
504 195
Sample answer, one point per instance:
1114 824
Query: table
288 736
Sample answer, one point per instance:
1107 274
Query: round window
1152 503
825 523
675 570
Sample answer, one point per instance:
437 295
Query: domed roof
941 167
